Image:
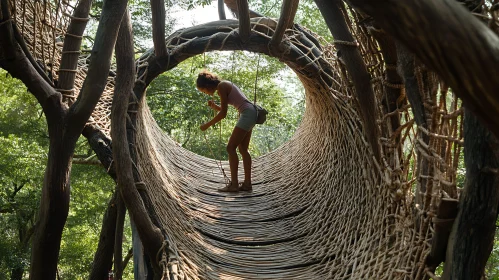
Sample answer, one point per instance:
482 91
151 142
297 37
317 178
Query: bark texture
158 26
103 258
332 11
244 19
150 235
473 231
288 12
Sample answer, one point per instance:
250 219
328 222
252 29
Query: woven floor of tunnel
321 206
316 211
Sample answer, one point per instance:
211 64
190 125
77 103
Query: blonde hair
206 79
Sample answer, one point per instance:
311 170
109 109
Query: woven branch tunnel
322 206
319 210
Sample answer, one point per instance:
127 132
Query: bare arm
223 90
214 106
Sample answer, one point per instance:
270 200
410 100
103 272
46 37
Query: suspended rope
218 162
256 77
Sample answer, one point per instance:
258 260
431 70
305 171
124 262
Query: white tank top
237 99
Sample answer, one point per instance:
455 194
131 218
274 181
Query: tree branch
472 235
118 237
19 66
127 258
221 10
84 161
103 258
244 19
7 47
150 235
101 145
332 11
98 69
22 44
158 27
288 12
232 5
72 44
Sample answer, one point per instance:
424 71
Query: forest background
177 107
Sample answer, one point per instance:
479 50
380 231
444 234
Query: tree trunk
118 239
221 10
332 11
158 27
103 258
54 205
150 235
17 273
473 231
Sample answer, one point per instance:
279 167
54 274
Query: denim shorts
247 119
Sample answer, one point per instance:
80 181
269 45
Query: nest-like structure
322 207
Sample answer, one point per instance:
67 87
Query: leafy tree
23 142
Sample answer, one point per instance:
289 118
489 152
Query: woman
229 93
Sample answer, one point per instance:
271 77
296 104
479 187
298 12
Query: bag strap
256 78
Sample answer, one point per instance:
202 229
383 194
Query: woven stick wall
322 207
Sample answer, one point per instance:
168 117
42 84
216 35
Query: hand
204 127
210 103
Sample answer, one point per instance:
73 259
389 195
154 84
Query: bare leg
236 138
243 150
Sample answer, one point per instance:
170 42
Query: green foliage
23 156
91 189
307 15
23 144
191 4
140 12
492 266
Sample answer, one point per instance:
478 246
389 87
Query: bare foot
229 188
245 187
